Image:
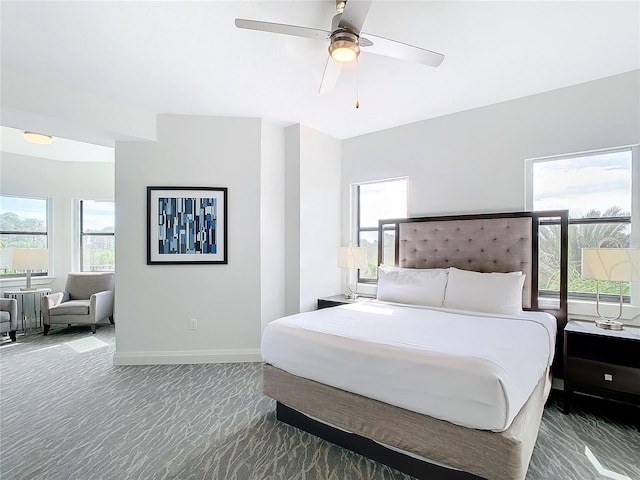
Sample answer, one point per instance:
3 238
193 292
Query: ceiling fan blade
330 77
354 15
392 48
294 30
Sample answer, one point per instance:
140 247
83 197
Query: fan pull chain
357 83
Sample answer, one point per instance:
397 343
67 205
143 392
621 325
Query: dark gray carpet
67 413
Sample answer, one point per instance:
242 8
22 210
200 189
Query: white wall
154 303
319 216
312 217
62 182
474 161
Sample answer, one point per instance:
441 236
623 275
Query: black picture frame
186 225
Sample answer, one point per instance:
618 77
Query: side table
604 363
28 304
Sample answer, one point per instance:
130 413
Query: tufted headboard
488 242
481 245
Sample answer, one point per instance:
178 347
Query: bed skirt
494 456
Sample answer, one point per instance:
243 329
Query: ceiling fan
346 40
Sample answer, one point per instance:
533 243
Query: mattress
470 369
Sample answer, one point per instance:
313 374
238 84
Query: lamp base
351 296
609 324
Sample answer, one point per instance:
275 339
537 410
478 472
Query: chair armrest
47 302
101 305
10 305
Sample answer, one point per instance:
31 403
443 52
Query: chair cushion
72 307
5 317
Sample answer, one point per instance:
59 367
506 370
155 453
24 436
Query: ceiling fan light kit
344 46
346 40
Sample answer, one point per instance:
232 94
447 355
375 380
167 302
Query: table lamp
29 259
352 258
612 264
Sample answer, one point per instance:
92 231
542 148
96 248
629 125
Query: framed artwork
186 225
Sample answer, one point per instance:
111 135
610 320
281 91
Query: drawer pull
608 377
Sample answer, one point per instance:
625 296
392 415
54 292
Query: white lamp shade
616 264
352 257
29 259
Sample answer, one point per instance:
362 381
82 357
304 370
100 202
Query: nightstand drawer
603 375
328 303
338 300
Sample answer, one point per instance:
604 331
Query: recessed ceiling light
39 138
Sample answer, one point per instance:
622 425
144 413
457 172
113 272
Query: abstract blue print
187 225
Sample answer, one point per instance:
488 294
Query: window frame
46 234
357 228
633 220
82 234
588 296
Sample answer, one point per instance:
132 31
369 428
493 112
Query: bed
352 374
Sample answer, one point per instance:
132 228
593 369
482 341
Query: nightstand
336 300
605 363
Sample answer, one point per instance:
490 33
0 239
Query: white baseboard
187 357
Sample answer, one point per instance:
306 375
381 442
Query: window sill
368 289
586 310
7 283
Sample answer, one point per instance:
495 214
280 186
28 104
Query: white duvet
475 370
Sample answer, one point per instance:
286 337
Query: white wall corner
272 222
320 200
292 219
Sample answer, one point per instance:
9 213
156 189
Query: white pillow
414 286
484 292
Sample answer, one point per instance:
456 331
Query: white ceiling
182 57
61 149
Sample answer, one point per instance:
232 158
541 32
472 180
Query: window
596 188
23 224
97 236
376 201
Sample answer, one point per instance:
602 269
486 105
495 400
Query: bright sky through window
98 216
382 200
599 182
25 208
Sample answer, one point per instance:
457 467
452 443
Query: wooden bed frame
531 297
481 242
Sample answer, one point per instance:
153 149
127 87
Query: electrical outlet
194 324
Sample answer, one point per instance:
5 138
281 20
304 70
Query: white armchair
9 317
87 300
